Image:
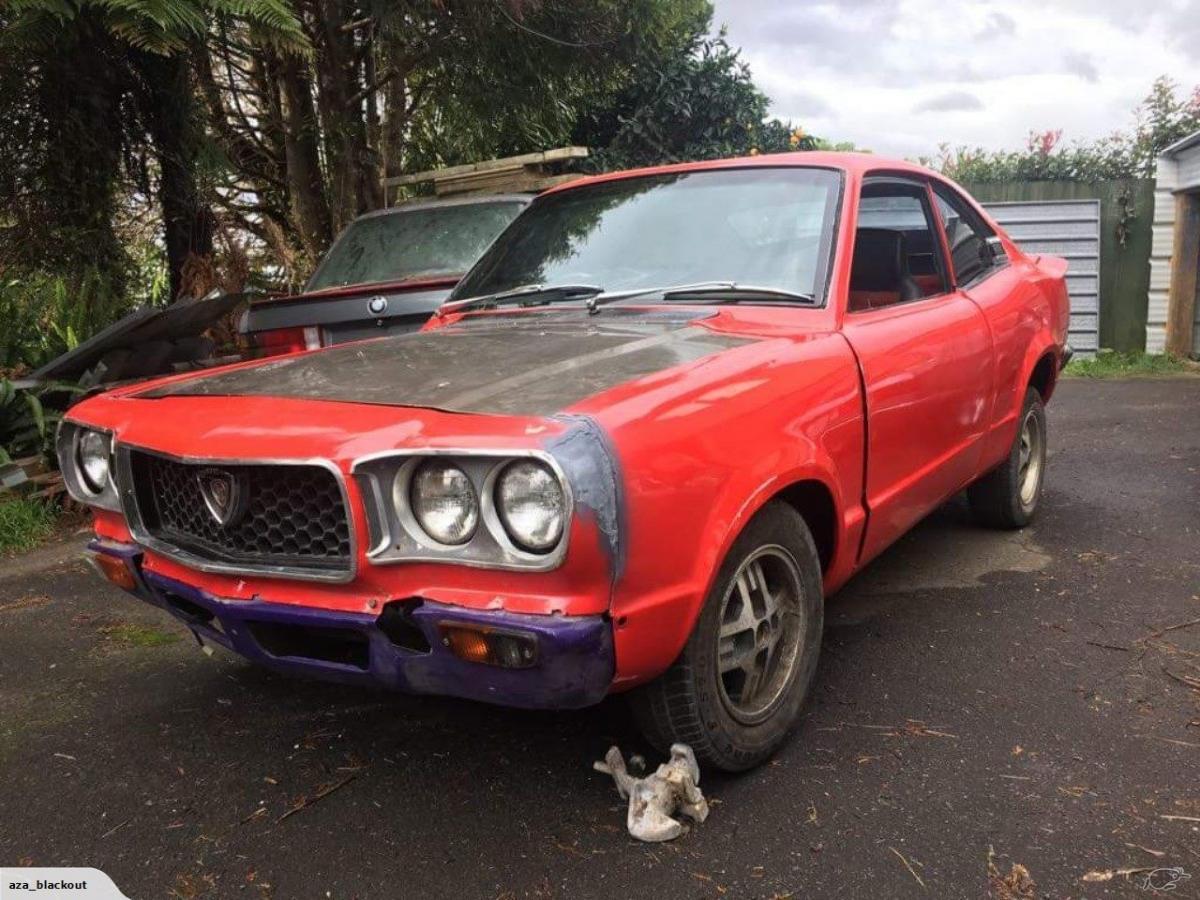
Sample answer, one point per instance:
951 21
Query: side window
972 251
897 254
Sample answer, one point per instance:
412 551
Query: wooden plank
542 157
1185 258
505 183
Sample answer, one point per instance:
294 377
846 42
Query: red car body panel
882 414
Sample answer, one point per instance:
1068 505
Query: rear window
431 241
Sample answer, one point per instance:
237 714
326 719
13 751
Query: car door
925 354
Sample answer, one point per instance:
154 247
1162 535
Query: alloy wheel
760 635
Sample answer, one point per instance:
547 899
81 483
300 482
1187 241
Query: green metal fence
1126 211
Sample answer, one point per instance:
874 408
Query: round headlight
92 453
531 505
444 502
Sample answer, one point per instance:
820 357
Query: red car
664 416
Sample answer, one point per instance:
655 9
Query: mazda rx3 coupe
661 419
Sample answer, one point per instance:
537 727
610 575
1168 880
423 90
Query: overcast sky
901 76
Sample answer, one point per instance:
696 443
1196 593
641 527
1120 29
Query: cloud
951 101
998 25
1079 63
802 104
857 69
828 32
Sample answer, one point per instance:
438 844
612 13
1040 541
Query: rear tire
1008 496
740 683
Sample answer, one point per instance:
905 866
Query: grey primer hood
528 364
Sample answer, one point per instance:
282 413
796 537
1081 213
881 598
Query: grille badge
223 494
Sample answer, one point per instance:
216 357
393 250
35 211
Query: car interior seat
879 272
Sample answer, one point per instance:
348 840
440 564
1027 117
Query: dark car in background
386 273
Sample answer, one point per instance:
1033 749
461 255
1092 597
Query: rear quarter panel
701 449
1027 310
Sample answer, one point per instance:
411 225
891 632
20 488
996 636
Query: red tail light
287 340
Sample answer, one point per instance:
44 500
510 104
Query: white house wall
1180 172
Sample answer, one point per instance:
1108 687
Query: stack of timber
530 172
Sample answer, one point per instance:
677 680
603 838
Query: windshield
432 240
768 227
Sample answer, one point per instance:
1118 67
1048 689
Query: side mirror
994 251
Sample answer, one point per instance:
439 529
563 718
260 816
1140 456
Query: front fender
696 470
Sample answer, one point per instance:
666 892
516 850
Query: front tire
738 687
1008 496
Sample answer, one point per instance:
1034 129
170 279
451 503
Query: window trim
932 219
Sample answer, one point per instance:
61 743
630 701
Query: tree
394 86
279 119
108 81
699 104
65 127
1163 118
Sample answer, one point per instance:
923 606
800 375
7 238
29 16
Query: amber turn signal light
491 648
115 570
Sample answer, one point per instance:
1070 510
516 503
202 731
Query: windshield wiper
732 292
711 292
526 295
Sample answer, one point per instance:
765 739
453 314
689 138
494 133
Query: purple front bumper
400 649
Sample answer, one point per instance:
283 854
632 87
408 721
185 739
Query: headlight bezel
68 447
396 536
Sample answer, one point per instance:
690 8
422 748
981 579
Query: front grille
293 516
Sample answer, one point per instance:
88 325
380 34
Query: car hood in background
533 364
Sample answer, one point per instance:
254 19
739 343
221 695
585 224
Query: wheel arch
1044 376
813 499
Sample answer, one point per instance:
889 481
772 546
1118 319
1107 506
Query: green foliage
25 523
1042 159
274 120
699 104
1162 118
491 81
1111 364
45 315
29 420
90 126
157 26
23 427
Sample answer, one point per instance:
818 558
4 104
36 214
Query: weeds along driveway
1024 692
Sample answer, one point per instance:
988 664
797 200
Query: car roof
472 200
858 163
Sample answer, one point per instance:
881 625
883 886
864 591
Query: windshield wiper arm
526 295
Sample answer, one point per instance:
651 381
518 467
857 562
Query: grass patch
1111 364
139 635
25 523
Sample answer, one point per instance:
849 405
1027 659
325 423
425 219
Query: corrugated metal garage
1070 229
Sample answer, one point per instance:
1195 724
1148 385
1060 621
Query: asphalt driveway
1025 695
